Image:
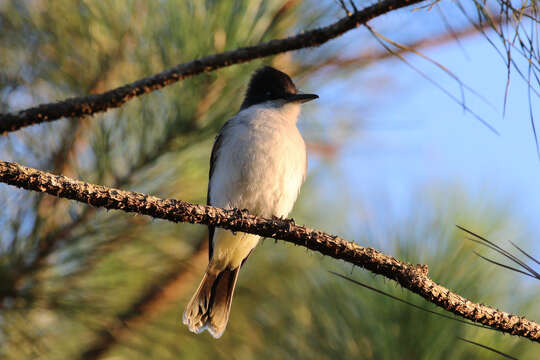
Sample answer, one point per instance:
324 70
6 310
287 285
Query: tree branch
413 278
89 105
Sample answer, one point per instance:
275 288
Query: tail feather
209 308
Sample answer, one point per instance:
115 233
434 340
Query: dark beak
301 98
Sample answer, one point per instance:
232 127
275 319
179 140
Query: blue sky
412 135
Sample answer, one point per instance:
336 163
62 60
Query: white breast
261 162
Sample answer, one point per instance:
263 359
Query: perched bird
258 163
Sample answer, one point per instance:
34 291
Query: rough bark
92 104
412 277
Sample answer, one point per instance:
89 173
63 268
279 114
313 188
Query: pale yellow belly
229 250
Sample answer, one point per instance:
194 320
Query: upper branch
89 105
413 278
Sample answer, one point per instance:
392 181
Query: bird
258 162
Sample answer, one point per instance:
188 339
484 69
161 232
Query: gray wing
213 159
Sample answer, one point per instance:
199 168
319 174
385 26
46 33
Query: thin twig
524 253
408 302
488 348
368 56
491 245
381 40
